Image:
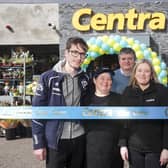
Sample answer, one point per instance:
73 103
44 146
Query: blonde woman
145 142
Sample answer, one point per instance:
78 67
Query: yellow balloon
164 81
136 47
153 55
124 38
117 47
139 55
101 51
157 69
130 41
89 59
111 42
86 61
155 61
150 49
95 48
105 39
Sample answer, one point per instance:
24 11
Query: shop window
20 65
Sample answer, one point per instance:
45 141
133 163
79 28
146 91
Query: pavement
18 153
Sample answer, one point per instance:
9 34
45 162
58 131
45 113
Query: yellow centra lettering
98 22
143 17
158 21
112 18
131 19
85 20
76 19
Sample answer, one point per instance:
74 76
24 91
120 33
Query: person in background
61 142
145 142
126 60
102 135
121 79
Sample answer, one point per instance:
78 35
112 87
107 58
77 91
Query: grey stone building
156 39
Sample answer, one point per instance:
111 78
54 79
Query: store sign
131 20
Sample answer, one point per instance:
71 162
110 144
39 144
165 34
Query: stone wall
159 39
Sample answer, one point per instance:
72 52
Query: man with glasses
62 142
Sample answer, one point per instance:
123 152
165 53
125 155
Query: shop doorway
106 60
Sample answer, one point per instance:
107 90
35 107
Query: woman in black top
145 142
102 135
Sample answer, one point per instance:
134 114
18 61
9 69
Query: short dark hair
127 50
76 41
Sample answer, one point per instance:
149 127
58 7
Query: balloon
150 49
163 65
143 46
99 42
90 58
95 48
147 54
163 73
137 42
164 81
105 38
117 38
105 47
111 51
101 51
139 55
157 69
94 54
92 40
117 47
130 41
156 61
160 79
86 61
84 67
153 54
136 47
124 38
112 45
123 43
110 42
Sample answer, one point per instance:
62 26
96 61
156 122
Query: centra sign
131 20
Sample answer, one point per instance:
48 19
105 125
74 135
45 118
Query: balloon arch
112 45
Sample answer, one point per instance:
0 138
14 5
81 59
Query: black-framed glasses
76 53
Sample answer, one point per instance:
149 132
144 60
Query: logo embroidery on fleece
56 84
39 89
150 100
84 83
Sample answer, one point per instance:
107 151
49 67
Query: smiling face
103 83
143 74
126 62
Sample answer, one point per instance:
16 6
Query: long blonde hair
133 81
